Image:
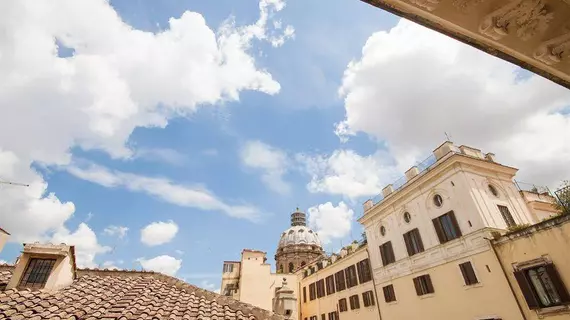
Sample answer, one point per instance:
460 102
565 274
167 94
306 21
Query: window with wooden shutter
468 273
304 294
354 302
364 273
387 253
340 281
342 306
413 242
312 291
351 277
507 216
368 298
542 287
323 316
333 315
330 284
423 285
446 227
320 288
389 294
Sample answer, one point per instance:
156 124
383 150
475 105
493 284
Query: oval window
493 190
382 231
437 200
407 217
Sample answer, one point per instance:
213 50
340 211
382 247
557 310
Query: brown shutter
392 257
464 273
417 285
408 244
438 230
454 221
526 290
471 273
429 284
419 239
557 282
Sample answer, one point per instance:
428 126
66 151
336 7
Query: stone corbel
554 50
526 17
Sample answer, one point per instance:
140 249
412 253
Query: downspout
374 284
507 278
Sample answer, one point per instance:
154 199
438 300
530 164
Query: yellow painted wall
452 299
329 303
550 239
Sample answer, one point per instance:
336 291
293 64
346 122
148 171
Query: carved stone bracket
428 5
526 17
554 50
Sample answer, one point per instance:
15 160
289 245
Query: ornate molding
525 17
428 5
554 50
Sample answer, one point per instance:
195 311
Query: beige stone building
536 261
535 34
339 287
429 237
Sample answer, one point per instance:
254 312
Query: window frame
368 299
413 241
387 253
354 301
441 229
468 272
342 305
39 269
351 276
228 267
529 290
312 291
305 294
333 315
507 216
340 285
320 288
389 293
364 271
423 285
330 285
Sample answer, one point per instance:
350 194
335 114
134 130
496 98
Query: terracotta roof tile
126 295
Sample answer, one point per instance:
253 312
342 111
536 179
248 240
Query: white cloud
3 262
179 252
207 285
164 189
85 242
412 84
97 97
119 231
164 155
331 222
164 264
344 172
158 233
110 265
271 161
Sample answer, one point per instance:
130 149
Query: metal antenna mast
14 183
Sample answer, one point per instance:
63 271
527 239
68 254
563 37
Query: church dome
299 235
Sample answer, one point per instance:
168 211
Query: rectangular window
364 273
333 315
468 273
313 318
507 216
304 294
351 277
340 281
542 287
423 285
323 316
368 299
387 253
37 273
354 302
342 306
228 267
413 242
312 291
389 294
320 288
330 284
446 227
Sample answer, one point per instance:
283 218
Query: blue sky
131 125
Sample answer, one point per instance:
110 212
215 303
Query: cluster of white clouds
118 79
271 162
158 233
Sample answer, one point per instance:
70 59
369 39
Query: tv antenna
14 183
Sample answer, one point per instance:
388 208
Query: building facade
536 261
339 287
429 238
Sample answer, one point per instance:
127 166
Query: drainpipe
506 277
374 284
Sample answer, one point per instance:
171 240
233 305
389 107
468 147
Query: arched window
303 263
291 267
281 268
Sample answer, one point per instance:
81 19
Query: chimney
444 149
387 190
4 235
412 172
57 263
468 151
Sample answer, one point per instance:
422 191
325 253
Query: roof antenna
447 136
14 183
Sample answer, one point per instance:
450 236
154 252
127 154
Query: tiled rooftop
105 294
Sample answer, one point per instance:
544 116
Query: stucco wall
452 299
550 240
3 239
328 303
